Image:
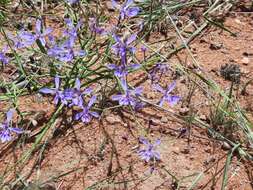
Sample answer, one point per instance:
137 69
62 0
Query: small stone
238 21
202 117
109 6
226 146
209 160
203 40
215 46
183 80
225 51
135 147
151 95
164 119
237 48
113 119
34 122
231 60
208 149
245 61
244 71
184 111
176 150
185 151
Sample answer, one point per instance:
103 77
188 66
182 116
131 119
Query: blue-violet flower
6 129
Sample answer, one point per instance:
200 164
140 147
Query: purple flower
6 129
23 39
172 100
3 58
86 115
74 96
58 94
126 11
149 151
121 46
95 28
158 71
71 32
122 70
41 35
65 53
72 1
129 97
143 49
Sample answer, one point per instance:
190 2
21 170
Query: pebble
245 61
215 46
185 151
202 117
209 160
208 149
113 119
109 6
164 119
151 95
225 146
238 21
184 111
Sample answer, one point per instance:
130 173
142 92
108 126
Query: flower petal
16 130
112 66
124 84
9 115
87 91
172 100
132 11
116 97
131 39
78 116
92 101
47 91
171 87
5 136
38 26
144 141
94 114
158 88
57 82
47 31
77 84
115 5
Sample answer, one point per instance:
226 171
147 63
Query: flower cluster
6 128
73 97
94 28
25 38
171 99
158 71
149 151
128 97
126 10
65 51
3 57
